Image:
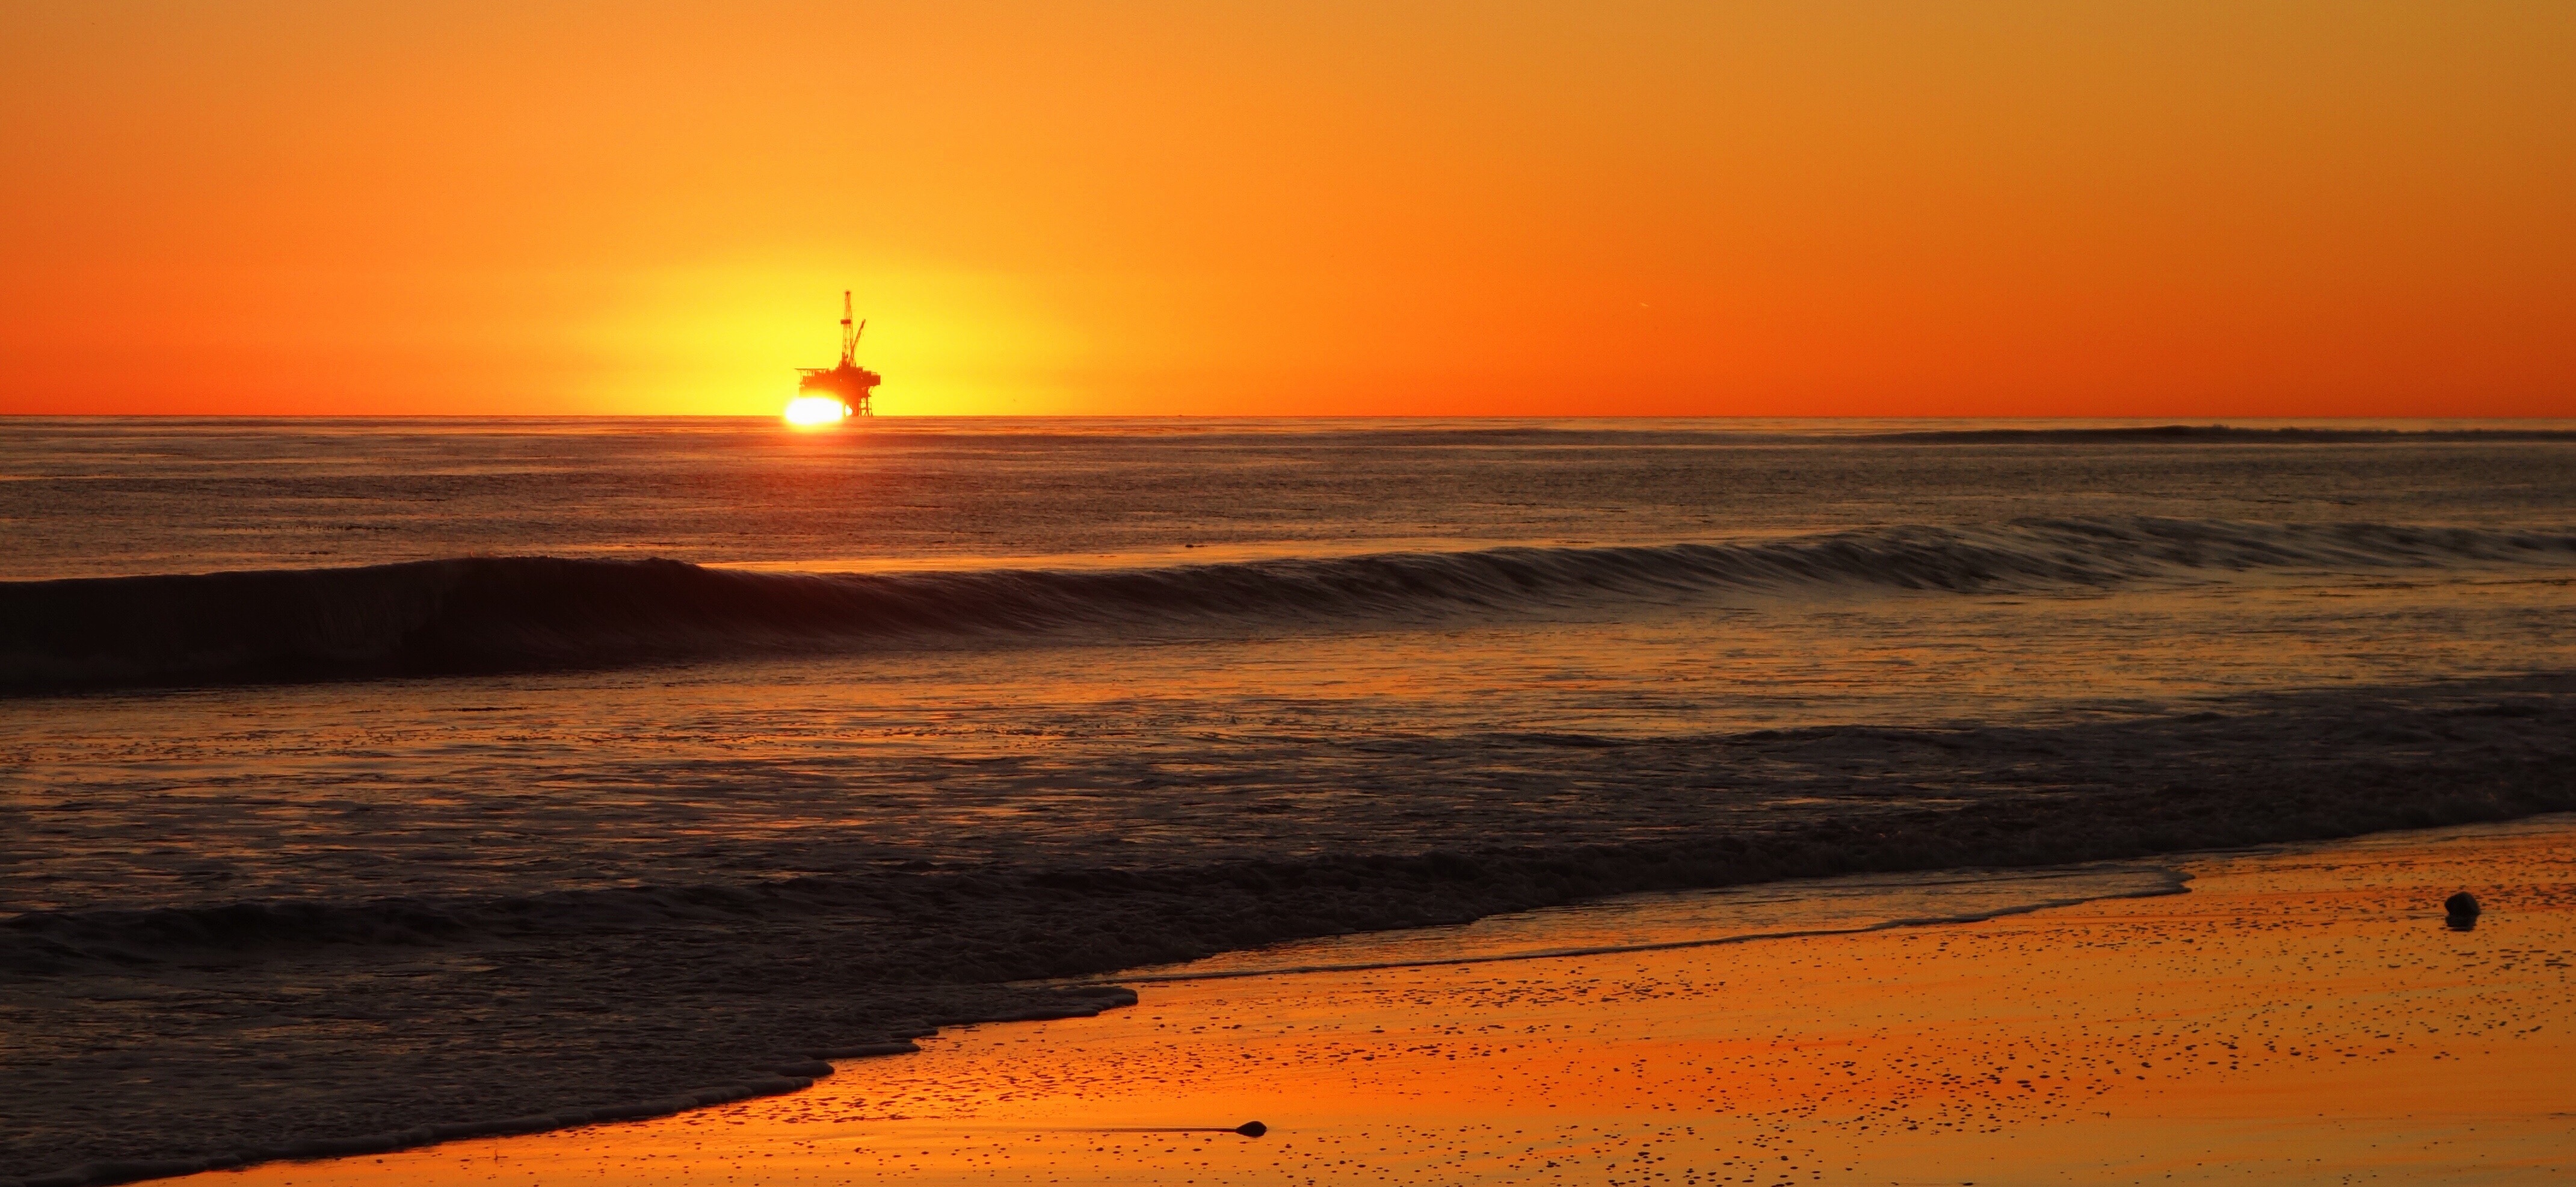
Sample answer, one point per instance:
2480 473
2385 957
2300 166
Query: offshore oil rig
849 382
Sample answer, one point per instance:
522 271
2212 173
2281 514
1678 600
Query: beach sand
2297 1015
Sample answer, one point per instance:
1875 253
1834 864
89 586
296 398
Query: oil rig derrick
848 382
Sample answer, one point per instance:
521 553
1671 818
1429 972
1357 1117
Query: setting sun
811 411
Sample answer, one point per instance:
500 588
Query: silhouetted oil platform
849 382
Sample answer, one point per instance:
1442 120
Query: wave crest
488 614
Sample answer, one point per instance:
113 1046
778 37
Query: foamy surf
1795 909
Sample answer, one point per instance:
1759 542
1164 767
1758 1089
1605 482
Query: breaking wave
489 614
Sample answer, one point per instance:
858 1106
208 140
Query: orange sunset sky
2066 207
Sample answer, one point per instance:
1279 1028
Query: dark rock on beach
2461 909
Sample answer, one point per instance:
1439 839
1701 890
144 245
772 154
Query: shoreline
1095 997
2112 1041
790 1077
2173 883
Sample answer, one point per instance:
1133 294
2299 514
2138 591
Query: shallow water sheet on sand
2300 1015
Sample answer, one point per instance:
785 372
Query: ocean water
1137 643
419 754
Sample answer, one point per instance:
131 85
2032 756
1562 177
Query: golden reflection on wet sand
2299 1016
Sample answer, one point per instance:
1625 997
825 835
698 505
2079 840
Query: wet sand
2299 1015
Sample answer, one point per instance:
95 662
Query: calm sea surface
1294 636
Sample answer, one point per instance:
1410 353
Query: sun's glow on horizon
2020 208
806 412
725 338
